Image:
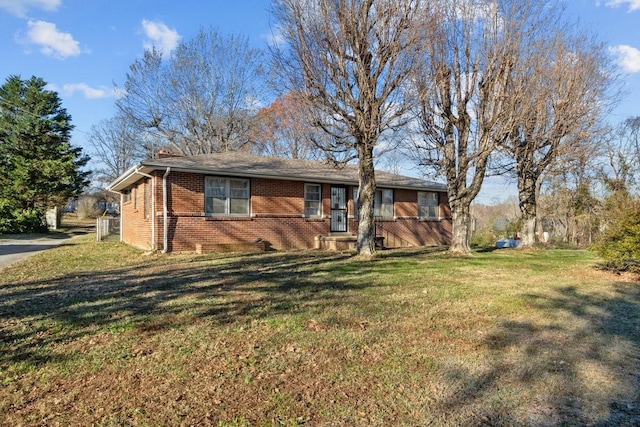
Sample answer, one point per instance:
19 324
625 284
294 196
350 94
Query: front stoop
342 242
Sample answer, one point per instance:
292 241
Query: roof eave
135 172
132 175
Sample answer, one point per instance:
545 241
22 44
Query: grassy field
100 334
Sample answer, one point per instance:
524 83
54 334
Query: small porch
342 242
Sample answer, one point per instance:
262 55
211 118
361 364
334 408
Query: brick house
237 201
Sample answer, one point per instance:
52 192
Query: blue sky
82 47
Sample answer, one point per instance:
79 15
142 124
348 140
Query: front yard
98 333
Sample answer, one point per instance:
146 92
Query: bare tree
199 100
564 83
621 155
117 146
465 113
566 204
350 60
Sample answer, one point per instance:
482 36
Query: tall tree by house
39 167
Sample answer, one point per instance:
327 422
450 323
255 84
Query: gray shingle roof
248 165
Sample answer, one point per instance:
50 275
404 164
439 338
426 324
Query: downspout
165 241
121 216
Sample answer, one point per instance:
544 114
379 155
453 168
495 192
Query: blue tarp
507 243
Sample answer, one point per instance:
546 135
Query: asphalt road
12 250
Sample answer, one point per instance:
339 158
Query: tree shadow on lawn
35 315
583 360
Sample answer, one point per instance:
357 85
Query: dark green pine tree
39 168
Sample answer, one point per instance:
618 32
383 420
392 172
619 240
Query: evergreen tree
39 168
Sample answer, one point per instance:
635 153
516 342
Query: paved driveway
12 250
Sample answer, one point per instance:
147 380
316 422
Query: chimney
162 154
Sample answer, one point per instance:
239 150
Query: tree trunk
366 196
527 204
461 220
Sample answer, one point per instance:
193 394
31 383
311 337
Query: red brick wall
136 229
270 196
277 209
405 203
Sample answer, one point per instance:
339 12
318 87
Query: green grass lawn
100 334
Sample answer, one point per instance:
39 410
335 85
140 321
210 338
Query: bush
483 239
14 220
619 244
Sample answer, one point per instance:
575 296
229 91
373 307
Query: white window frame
383 203
428 205
228 195
311 198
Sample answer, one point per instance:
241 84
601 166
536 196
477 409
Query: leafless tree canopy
351 60
465 113
200 99
117 145
503 75
565 82
621 155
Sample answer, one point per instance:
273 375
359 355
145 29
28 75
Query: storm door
338 209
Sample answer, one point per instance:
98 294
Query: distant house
236 201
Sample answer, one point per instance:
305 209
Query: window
127 195
427 205
146 199
383 204
134 194
226 196
312 200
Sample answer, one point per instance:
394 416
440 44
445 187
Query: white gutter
164 210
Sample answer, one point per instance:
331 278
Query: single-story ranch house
237 201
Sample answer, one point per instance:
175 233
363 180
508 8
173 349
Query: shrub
483 239
619 243
14 220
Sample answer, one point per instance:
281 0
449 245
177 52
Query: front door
338 209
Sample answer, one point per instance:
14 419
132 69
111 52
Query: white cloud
20 7
275 38
51 41
628 57
633 4
160 36
69 89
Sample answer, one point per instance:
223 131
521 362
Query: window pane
238 194
428 205
239 206
355 201
377 204
215 187
387 203
239 189
312 192
387 197
216 205
311 208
